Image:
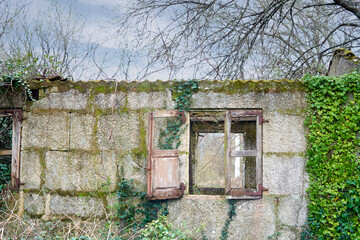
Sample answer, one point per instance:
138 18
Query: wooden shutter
162 165
16 115
235 191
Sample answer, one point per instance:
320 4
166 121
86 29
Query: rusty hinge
261 119
183 116
259 192
16 112
17 184
182 188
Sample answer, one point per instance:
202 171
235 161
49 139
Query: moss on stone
348 54
240 86
105 87
285 154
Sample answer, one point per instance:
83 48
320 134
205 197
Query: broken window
225 153
10 127
224 159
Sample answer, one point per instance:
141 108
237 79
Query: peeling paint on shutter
162 165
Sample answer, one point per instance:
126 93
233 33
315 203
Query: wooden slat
227 144
165 173
5 114
204 119
149 156
166 194
241 191
15 161
165 113
5 152
258 154
243 153
251 114
165 153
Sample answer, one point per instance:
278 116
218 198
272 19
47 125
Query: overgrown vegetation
333 119
231 213
183 90
5 161
133 208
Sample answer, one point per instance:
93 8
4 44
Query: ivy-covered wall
79 139
333 120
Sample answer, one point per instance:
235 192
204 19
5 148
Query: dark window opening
6 124
10 128
225 153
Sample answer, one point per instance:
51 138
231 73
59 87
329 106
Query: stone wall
81 138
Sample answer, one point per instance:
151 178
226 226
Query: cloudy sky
111 50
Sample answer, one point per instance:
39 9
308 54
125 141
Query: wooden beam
5 152
244 153
227 144
15 162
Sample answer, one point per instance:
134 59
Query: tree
51 41
240 39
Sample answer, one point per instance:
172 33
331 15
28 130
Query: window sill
244 197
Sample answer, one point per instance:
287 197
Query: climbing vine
333 119
182 90
134 210
14 75
231 213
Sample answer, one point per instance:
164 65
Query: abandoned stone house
83 137
242 140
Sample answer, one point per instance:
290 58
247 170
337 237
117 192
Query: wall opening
216 168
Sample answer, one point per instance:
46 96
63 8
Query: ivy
134 210
231 213
333 120
14 75
183 90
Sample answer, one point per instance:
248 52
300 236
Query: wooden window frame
242 193
14 152
242 115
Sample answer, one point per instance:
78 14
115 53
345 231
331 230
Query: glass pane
5 133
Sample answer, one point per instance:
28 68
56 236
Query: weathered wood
162 165
15 160
241 191
5 114
5 152
165 153
149 153
227 144
250 114
166 113
244 153
258 151
166 194
165 172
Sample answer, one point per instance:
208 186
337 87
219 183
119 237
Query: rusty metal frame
17 117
